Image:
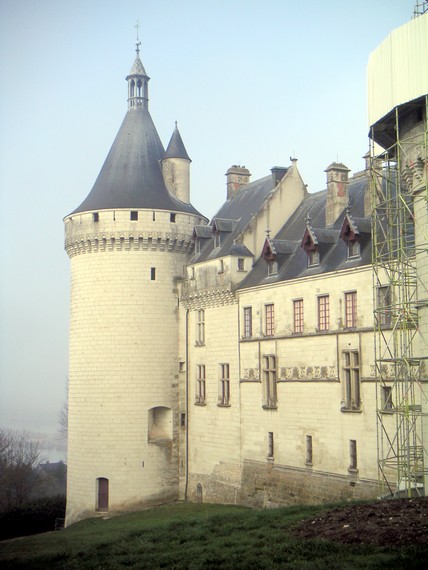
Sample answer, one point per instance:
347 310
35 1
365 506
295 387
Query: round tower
127 242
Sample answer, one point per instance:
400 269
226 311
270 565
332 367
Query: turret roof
138 67
176 148
131 176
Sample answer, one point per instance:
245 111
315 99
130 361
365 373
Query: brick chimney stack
337 191
237 176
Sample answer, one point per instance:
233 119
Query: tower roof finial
138 43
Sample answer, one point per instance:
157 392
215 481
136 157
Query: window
271 447
134 215
102 494
182 419
351 309
248 322
353 463
272 268
269 381
308 450
269 320
298 315
224 385
387 404
154 216
200 384
351 374
241 264
353 249
384 306
221 267
217 239
200 327
95 217
172 218
313 258
153 273
323 313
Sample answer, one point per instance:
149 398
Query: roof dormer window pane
353 249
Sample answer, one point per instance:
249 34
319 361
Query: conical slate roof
176 148
138 67
131 176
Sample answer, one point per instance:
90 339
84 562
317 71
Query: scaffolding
398 184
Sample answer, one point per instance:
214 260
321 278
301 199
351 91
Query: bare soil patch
397 522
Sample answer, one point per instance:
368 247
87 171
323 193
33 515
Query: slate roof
131 176
176 148
233 217
292 259
138 67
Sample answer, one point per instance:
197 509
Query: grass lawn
199 536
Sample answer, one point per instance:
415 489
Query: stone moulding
126 242
208 297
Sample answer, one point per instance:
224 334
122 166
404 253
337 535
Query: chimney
237 176
337 191
278 173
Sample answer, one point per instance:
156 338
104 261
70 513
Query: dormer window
350 234
197 245
353 249
272 268
217 239
313 258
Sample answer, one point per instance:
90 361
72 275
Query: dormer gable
275 252
222 226
311 245
316 242
201 235
352 232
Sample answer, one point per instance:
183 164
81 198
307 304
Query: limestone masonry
273 355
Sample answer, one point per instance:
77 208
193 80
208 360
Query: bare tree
19 458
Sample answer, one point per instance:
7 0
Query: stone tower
128 242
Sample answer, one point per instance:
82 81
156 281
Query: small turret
176 168
138 83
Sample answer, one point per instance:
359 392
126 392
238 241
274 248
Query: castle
273 355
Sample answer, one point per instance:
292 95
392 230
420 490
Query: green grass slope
189 536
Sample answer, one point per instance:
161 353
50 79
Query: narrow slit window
308 450
271 445
172 218
353 462
153 273
95 217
